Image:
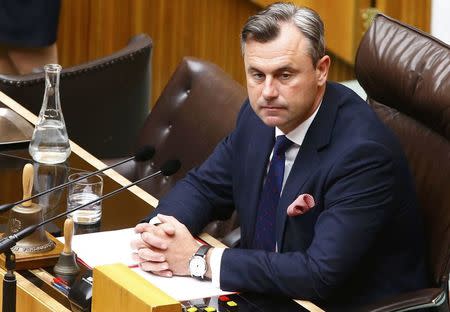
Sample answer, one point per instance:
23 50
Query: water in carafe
50 142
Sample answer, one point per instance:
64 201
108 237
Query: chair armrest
233 238
428 297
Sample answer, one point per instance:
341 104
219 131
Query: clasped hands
164 249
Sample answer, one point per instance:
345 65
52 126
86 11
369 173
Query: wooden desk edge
214 242
309 305
31 298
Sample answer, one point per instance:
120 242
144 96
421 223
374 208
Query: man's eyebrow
253 69
278 70
286 68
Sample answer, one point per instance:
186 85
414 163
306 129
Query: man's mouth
272 108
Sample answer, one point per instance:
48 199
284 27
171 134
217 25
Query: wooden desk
136 202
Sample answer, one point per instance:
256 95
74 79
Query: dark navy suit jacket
363 239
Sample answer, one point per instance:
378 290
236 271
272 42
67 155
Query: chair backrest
196 110
104 102
406 75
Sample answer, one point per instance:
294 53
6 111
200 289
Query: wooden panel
340 70
413 12
117 288
209 30
202 28
29 298
73 32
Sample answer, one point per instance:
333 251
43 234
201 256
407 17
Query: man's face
284 87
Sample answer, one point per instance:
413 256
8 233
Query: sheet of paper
182 288
114 247
104 247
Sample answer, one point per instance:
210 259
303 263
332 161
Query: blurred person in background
28 31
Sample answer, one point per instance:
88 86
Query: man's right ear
322 68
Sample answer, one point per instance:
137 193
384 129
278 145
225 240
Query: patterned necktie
266 215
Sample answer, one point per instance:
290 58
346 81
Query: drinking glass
82 192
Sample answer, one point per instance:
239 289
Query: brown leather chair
105 102
196 110
406 75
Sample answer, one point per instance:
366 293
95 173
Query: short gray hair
265 26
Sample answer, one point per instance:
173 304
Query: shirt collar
298 134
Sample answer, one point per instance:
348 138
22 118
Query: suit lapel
258 151
307 161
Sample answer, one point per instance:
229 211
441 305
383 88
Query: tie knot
282 143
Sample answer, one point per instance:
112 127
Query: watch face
197 266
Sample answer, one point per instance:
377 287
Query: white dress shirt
297 136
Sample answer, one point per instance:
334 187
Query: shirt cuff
215 262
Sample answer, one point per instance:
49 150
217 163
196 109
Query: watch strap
202 250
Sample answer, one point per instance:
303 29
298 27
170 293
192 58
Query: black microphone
143 154
168 168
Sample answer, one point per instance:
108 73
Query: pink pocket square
301 205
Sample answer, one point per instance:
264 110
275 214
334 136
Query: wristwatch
197 263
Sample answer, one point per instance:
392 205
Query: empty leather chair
105 102
196 110
406 75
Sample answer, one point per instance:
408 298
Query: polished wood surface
31 298
202 28
68 235
416 13
27 183
13 127
117 288
25 261
120 211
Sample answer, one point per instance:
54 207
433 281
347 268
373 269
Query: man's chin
273 121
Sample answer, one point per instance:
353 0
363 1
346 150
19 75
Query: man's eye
285 76
258 76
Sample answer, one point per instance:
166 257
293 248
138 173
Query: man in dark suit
331 217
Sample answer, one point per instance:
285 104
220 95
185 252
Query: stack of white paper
114 247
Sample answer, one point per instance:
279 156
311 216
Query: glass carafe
50 142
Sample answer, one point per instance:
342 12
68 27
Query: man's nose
270 90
